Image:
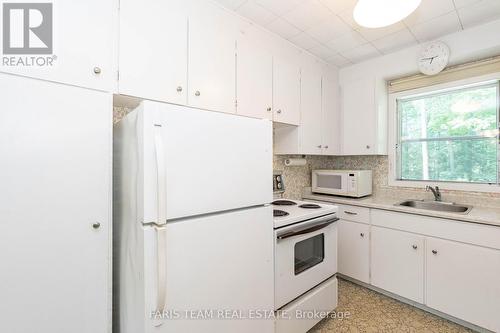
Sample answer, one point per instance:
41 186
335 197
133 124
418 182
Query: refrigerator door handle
160 177
161 234
161 229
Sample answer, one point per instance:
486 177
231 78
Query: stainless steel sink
439 206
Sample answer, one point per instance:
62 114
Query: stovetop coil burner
277 212
310 206
283 203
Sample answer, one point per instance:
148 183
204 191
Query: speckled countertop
478 214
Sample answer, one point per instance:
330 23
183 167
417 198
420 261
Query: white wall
475 43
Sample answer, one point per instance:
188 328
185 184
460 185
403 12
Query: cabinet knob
96 225
97 70
326 147
269 109
179 89
415 247
434 252
197 93
368 147
279 111
362 234
319 146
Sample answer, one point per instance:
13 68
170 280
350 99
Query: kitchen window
448 135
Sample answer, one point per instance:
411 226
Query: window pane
455 160
466 112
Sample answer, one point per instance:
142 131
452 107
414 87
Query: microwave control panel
352 185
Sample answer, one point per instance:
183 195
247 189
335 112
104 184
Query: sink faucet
437 194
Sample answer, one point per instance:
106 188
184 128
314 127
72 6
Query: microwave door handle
161 230
307 230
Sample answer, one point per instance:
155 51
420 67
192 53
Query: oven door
328 182
306 255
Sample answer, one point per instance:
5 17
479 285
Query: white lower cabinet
354 250
397 260
463 281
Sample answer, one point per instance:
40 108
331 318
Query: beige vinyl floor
374 312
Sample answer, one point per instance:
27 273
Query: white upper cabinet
85 38
286 91
317 133
153 50
330 112
254 73
311 113
212 57
364 117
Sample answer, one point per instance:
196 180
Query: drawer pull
415 247
350 213
434 252
362 234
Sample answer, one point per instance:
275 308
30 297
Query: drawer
322 299
354 213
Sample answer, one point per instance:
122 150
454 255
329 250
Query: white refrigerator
193 231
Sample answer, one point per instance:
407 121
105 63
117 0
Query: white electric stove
305 261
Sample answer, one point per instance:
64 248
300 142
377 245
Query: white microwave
349 183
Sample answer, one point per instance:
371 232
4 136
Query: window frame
394 135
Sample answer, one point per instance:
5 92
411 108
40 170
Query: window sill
451 186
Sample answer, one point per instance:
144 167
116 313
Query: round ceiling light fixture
381 13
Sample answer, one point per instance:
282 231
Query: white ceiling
326 27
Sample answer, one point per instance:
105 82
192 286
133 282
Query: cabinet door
56 184
359 117
462 281
311 120
354 247
330 113
84 40
286 91
153 50
212 58
397 262
254 77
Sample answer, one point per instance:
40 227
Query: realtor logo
27 28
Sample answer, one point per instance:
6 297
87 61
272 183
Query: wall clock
433 58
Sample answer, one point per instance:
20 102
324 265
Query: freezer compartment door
201 162
221 262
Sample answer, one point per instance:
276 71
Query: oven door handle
316 227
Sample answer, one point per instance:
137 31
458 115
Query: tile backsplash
298 177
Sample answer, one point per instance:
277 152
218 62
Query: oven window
329 181
309 253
